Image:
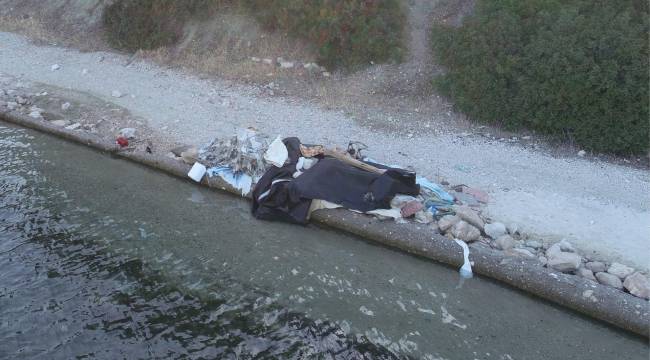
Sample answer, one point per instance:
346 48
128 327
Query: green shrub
149 24
345 33
573 68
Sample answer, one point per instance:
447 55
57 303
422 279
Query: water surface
104 259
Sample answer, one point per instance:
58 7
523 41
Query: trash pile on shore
289 180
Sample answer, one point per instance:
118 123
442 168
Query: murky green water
100 258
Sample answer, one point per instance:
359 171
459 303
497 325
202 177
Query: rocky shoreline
507 243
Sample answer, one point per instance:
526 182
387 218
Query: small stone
311 66
12 105
513 229
596 266
535 244
411 208
638 285
128 133
582 153
495 230
74 126
21 100
620 270
505 242
286 64
424 217
190 155
116 94
267 61
65 106
609 280
543 260
446 222
177 151
566 246
55 67
586 273
564 261
469 216
35 114
326 74
463 230
59 122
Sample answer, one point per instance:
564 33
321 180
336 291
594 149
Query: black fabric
329 179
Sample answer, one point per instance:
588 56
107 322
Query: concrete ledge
598 301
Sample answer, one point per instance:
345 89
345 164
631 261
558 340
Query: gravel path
602 208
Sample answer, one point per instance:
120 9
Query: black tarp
278 196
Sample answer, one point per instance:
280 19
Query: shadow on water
104 259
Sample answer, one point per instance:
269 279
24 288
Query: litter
240 181
122 141
196 172
465 270
277 153
242 153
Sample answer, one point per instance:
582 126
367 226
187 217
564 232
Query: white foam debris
426 311
366 311
401 305
447 318
295 272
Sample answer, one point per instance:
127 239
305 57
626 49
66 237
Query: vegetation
346 33
572 68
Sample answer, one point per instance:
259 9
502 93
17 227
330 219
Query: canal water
104 259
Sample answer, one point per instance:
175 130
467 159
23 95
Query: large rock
469 215
464 231
638 285
495 230
563 261
586 273
446 222
609 280
505 242
596 266
620 270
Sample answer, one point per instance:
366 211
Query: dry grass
225 45
30 27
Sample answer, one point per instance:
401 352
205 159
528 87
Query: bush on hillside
345 33
573 68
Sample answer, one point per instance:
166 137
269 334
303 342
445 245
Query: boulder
469 215
495 230
447 221
620 270
596 266
638 285
563 261
586 273
566 246
464 231
505 242
535 244
609 280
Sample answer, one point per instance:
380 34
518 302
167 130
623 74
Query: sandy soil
601 207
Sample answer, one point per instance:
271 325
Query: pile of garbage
288 180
